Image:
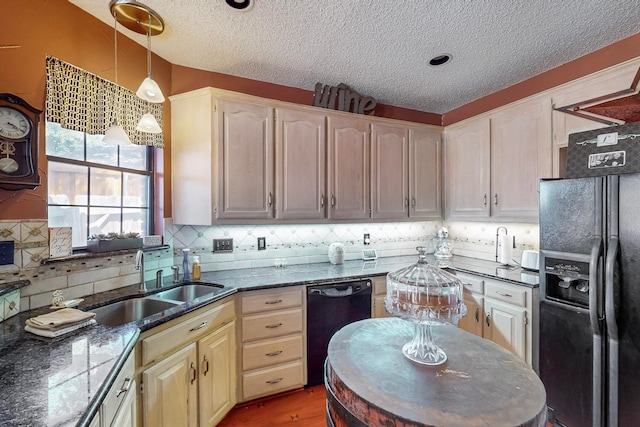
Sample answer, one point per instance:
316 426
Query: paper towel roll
505 249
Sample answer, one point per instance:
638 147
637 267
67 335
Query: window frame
148 171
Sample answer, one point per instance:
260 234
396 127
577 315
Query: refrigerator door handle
595 296
595 286
612 328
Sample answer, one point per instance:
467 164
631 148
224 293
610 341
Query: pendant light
116 134
149 89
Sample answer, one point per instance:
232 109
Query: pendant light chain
149 47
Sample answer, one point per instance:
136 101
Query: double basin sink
134 309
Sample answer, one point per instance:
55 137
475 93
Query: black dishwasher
329 308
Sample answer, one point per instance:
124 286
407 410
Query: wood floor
298 408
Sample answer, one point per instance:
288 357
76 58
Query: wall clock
19 142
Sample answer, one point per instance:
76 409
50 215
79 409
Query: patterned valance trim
82 101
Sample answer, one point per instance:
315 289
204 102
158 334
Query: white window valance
81 101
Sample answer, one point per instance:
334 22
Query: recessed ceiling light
440 59
240 5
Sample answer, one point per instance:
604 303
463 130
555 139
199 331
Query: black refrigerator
589 354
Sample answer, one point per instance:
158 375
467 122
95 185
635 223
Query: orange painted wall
58 28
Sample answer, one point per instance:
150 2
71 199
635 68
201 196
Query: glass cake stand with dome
425 295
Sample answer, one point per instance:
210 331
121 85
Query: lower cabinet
272 341
119 407
502 312
188 368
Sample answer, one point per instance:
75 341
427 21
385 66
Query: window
95 187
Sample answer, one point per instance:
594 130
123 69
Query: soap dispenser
195 268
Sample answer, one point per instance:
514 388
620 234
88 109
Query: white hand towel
59 318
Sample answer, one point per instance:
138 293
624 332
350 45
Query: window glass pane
133 157
105 187
64 143
104 220
67 184
135 220
71 216
101 152
136 190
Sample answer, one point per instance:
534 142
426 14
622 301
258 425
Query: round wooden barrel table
371 383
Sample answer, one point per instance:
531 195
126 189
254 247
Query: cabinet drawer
271 352
471 283
508 293
271 301
272 380
176 336
269 325
123 385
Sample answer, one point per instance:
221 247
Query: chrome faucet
139 264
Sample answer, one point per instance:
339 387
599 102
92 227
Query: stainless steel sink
188 292
130 310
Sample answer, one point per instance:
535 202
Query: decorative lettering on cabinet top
348 99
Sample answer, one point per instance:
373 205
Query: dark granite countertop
303 274
62 381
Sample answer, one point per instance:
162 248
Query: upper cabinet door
348 168
520 156
467 170
245 160
425 173
301 150
389 171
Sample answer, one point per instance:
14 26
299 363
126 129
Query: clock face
13 123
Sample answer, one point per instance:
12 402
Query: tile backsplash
297 243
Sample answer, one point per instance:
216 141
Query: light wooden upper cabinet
520 155
301 150
425 173
494 163
348 167
245 160
389 171
467 170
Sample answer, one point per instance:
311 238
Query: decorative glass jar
425 295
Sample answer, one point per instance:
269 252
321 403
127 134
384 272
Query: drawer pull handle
274 353
273 326
200 326
193 373
504 294
276 381
205 362
275 301
477 315
488 319
125 387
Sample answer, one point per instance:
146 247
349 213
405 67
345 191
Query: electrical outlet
262 243
222 245
6 252
367 239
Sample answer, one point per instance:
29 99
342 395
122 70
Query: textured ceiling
381 48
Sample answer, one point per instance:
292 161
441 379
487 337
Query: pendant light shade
149 124
150 91
116 135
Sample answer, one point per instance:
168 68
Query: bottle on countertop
195 268
185 265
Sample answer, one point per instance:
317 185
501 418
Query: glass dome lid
425 295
